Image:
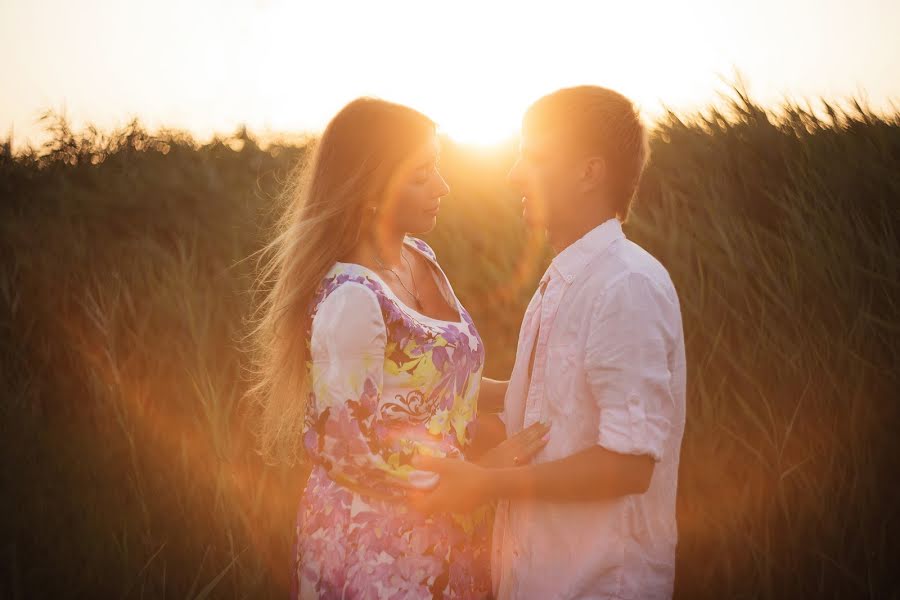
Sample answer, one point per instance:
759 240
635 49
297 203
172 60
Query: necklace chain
412 276
415 286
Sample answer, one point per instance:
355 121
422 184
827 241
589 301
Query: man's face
547 177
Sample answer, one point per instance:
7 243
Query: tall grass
128 470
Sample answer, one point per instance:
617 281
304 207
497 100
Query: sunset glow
280 66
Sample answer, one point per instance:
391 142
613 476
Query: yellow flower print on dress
387 383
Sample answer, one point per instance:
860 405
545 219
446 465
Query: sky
209 66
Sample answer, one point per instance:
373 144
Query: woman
389 361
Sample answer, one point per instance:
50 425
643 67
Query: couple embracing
372 369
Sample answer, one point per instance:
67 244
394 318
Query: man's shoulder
627 262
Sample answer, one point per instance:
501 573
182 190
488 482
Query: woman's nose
444 189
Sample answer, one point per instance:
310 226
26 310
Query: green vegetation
127 467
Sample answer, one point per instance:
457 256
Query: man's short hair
598 121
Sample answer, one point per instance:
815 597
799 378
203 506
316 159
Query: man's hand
463 485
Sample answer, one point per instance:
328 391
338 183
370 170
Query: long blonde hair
325 213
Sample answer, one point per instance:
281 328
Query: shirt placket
542 320
519 379
534 403
509 554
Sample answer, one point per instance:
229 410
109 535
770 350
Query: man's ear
593 174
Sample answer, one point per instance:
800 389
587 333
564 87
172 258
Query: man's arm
626 365
626 362
592 474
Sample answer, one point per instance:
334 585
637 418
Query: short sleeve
347 364
626 362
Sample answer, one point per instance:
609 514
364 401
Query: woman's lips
434 210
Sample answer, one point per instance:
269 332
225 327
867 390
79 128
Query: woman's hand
517 450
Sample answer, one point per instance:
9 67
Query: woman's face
414 199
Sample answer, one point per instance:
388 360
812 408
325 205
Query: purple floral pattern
420 397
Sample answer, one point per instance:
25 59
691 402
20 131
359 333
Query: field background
127 468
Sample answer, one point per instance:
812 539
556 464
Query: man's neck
562 239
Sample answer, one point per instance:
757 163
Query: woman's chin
425 225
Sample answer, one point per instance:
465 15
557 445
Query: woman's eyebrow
427 163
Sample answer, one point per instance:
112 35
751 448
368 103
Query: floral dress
386 382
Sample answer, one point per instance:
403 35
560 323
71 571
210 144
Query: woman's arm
491 394
490 432
489 428
491 447
347 356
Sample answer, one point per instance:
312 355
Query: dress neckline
408 242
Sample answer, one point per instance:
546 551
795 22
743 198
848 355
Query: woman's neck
383 246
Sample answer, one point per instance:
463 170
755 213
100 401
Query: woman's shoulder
422 245
348 285
347 318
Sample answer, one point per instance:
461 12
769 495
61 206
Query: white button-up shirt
609 369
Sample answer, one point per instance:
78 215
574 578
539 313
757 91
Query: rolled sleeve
626 358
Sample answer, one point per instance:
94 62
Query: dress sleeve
347 358
626 361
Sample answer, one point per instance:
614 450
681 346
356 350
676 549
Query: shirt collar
574 257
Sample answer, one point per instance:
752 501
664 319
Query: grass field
128 470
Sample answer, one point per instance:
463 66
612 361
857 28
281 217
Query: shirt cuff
629 429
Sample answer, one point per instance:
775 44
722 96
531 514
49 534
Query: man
601 356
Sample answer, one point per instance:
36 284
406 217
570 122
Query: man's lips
434 209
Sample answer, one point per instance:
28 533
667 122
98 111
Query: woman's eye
422 175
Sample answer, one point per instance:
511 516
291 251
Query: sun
483 129
473 120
